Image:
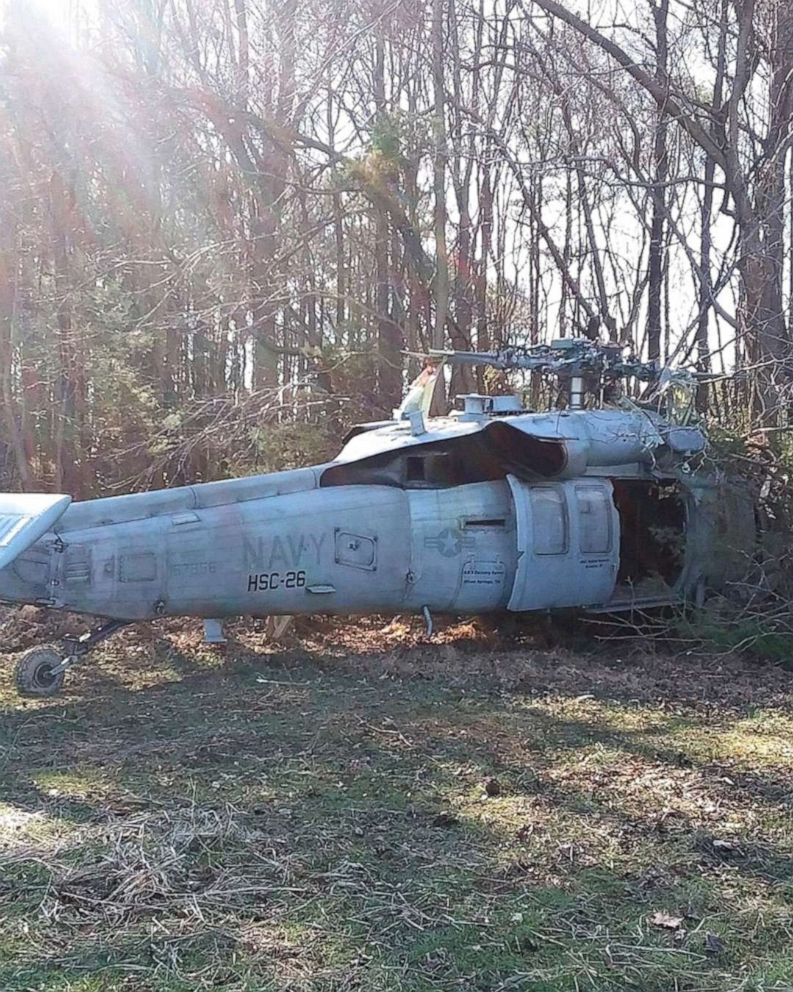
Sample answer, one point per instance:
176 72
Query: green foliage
387 138
397 143
727 442
766 635
291 445
400 138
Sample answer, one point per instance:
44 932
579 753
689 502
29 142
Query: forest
228 226
231 229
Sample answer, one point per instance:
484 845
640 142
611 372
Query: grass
364 811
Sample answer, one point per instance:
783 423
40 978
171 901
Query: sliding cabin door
567 542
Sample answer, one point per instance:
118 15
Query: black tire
34 672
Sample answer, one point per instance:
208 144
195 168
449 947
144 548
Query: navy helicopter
601 502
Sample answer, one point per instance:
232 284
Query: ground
359 809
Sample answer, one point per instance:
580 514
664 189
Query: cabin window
594 519
549 516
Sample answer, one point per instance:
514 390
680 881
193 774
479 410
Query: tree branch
667 103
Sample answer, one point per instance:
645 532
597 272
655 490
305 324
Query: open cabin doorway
653 524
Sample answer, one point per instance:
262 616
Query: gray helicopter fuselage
465 514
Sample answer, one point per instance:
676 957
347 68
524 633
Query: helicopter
601 502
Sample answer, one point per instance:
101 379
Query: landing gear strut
41 670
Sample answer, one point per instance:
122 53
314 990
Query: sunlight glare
64 15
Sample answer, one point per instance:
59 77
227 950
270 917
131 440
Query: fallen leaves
713 944
666 921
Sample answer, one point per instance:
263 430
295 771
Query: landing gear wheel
34 673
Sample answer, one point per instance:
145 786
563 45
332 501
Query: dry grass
359 809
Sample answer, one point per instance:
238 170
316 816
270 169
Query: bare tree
751 161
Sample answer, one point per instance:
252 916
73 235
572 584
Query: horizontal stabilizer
24 518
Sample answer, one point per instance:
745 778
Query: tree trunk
705 277
439 176
11 409
388 333
655 281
